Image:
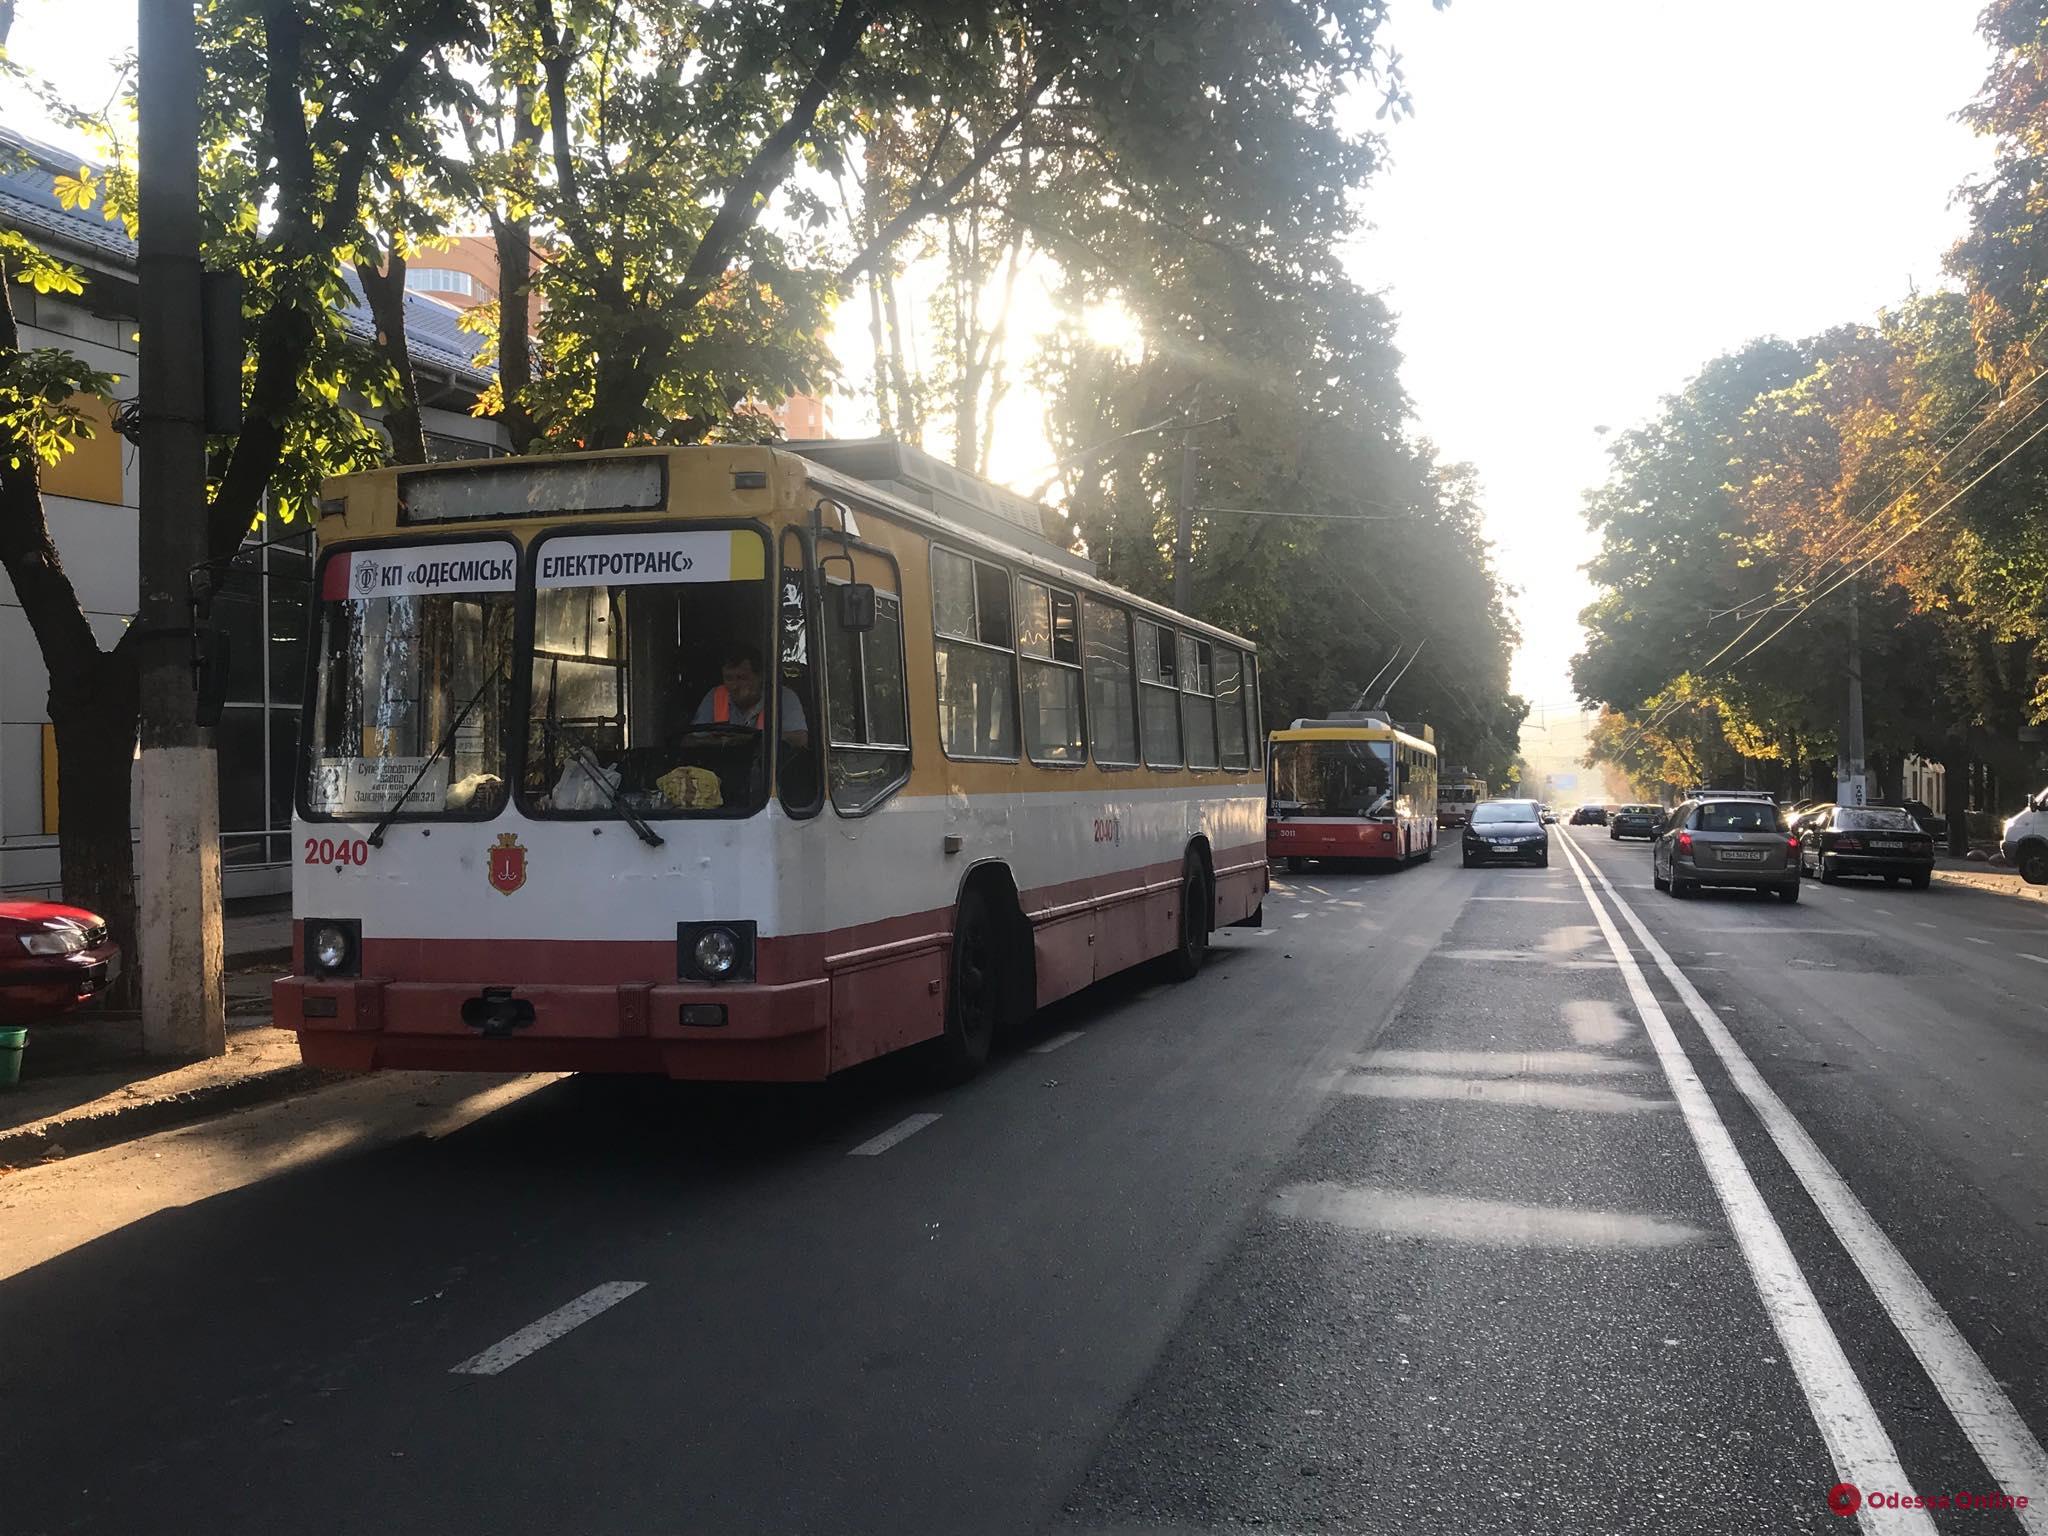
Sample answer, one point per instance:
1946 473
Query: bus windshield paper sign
358 786
649 559
491 566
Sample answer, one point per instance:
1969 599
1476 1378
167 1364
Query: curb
88 1133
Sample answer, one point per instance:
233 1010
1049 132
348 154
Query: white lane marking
1500 1063
1986 1415
1513 1093
902 1130
1855 1436
1047 1047
1554 901
509 1351
1975 940
2037 959
1918 924
1487 1223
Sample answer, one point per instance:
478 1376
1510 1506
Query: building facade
90 501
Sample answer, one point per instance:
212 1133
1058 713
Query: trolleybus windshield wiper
376 837
583 758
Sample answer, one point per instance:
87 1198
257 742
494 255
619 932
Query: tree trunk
95 719
385 292
514 240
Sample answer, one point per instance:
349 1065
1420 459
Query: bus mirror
856 606
212 679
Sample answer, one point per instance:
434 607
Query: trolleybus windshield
1332 778
414 649
651 683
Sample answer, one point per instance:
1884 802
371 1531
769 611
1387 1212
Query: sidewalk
86 1083
1999 879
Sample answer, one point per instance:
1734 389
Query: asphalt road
1431 1206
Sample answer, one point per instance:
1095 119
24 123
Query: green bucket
13 1040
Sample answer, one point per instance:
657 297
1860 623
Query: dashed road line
1856 1438
1975 940
513 1348
2037 959
1047 1047
1979 1404
902 1130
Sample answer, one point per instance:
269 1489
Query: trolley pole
178 912
1184 529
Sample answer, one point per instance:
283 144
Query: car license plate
1503 845
1744 855
1881 842
93 980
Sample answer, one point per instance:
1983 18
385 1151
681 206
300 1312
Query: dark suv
1726 843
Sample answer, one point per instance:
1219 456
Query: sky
1591 199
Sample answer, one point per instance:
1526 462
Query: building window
261 603
976 667
439 280
443 449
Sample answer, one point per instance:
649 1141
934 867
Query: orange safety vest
721 707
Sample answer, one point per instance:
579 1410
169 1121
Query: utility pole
1850 782
1184 531
179 906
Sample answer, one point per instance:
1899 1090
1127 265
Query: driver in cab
741 699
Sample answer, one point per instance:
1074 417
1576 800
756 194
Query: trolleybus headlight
716 952
332 947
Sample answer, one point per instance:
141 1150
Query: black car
1590 816
1934 825
1868 840
1636 821
1507 831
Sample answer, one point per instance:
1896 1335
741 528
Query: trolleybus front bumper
727 1031
1332 840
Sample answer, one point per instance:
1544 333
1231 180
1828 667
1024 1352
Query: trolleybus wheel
1296 866
974 992
1195 910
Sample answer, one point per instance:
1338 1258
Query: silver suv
1725 842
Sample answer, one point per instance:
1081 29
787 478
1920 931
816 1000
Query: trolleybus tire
1296 866
1184 961
974 1000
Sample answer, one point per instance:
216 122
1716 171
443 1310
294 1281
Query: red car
52 958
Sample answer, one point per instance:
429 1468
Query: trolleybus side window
656 674
1158 695
1049 674
869 755
1197 701
1252 711
976 666
1112 707
1232 707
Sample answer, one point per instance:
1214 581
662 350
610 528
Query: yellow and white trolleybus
727 763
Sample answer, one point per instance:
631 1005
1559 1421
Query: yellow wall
92 470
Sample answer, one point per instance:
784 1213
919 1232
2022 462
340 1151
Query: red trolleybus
1351 787
724 763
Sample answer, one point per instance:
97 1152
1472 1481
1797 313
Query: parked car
1812 811
1590 816
1635 821
2025 840
52 958
1935 826
1509 830
1740 843
1868 840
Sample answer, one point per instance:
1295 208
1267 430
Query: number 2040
328 850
